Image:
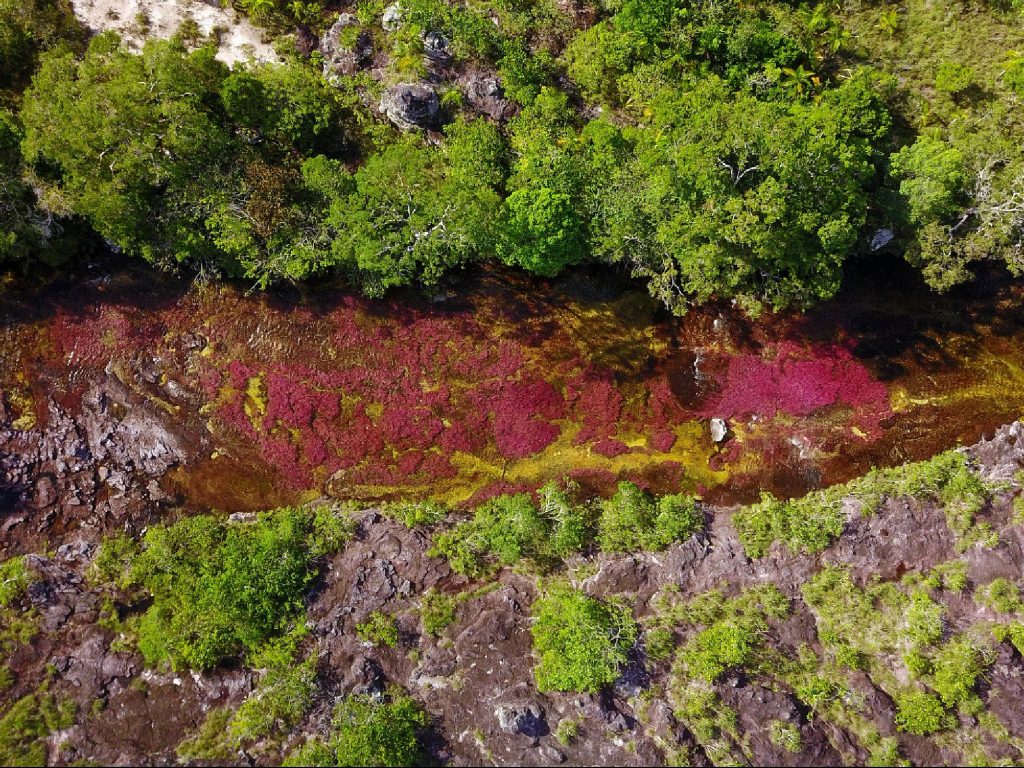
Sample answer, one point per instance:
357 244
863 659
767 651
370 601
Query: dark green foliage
219 589
919 713
716 649
29 27
582 641
368 731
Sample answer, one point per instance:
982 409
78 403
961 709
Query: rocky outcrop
346 48
410 105
486 96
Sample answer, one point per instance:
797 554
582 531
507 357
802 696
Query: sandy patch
240 40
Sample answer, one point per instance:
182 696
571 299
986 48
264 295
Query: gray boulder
410 105
392 18
526 719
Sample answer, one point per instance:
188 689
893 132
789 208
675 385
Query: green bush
717 649
925 619
437 611
219 589
660 643
368 731
956 668
953 77
633 519
14 580
582 641
379 630
919 713
1000 595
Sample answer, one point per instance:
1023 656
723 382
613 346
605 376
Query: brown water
499 383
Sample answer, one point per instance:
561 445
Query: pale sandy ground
240 42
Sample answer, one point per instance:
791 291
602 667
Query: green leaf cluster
582 641
218 589
367 730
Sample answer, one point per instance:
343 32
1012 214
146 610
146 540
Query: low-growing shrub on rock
512 529
633 519
378 629
582 641
367 730
920 713
219 589
816 520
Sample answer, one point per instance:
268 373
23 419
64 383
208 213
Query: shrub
582 641
379 630
951 575
567 730
14 580
437 611
1012 632
501 532
570 529
220 589
786 736
803 524
957 666
284 693
925 619
368 731
633 519
413 513
660 643
1000 595
953 77
919 713
717 649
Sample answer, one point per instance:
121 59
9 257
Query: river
498 383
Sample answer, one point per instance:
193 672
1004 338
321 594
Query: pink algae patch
611 448
798 381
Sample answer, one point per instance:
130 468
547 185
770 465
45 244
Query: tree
729 195
932 177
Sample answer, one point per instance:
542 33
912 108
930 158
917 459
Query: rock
525 719
550 754
392 18
410 105
365 677
341 58
719 430
485 95
305 41
435 45
881 239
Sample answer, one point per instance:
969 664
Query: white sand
240 42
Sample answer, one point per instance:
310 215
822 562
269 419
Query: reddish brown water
501 383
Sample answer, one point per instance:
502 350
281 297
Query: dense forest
722 149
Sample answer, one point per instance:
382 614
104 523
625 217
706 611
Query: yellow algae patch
255 404
691 450
374 411
22 403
